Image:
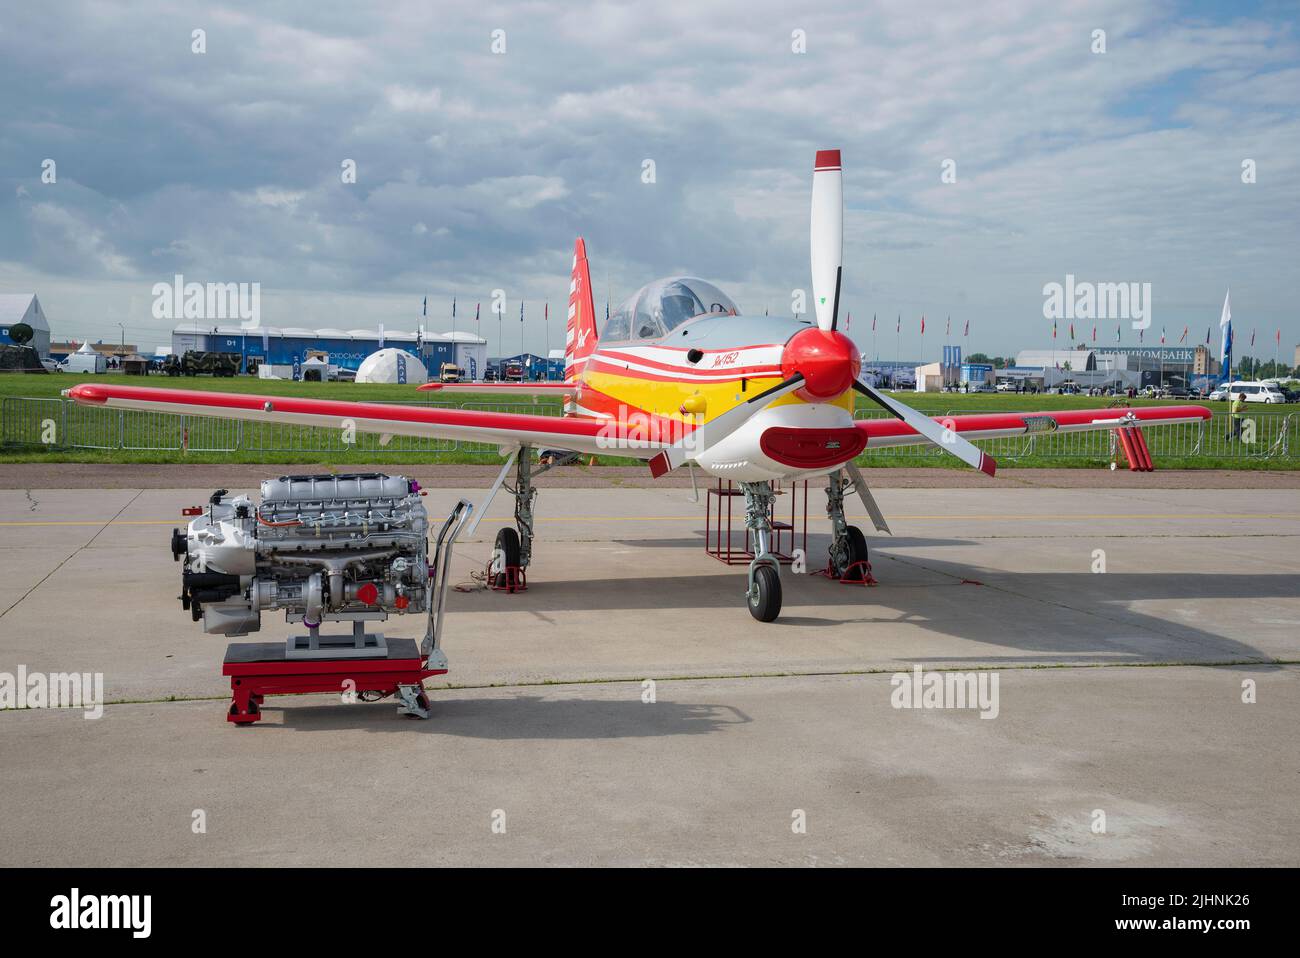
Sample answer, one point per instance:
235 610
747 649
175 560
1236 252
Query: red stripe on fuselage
614 361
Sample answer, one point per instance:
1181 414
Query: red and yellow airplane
678 376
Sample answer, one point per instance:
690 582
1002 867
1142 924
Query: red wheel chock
515 579
858 573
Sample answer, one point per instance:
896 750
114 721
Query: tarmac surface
1120 693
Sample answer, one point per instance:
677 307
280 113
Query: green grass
286 444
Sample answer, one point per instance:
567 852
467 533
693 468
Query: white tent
392 366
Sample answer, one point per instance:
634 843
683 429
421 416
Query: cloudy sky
476 169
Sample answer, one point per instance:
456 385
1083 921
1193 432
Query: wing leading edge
894 432
506 429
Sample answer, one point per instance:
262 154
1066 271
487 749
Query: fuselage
667 387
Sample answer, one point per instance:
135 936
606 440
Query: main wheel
766 606
506 553
857 553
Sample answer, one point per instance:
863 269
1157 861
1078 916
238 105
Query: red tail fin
580 335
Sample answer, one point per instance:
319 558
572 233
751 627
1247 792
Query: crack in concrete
68 558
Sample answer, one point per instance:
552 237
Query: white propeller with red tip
827 271
827 241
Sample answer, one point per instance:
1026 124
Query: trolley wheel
857 553
766 606
506 553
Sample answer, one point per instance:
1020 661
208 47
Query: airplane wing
895 432
580 434
510 388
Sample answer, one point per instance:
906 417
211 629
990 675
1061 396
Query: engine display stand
359 645
359 666
259 669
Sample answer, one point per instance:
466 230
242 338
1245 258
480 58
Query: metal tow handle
438 572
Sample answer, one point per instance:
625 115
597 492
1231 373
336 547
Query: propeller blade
719 428
827 241
868 500
943 437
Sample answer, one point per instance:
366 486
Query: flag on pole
873 322
1094 332
476 307
1140 335
425 309
923 325
1207 335
1279 337
1183 337
1252 339
848 321
1162 335
1053 329
1225 333
967 332
899 328
521 311
947 331
1117 328
1071 332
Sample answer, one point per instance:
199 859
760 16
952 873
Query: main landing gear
848 544
513 549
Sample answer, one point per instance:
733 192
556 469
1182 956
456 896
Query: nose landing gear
764 593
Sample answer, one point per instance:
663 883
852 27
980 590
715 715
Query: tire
766 606
507 547
857 552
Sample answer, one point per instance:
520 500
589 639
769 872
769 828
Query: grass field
158 438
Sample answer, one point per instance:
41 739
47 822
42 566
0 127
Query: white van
1257 392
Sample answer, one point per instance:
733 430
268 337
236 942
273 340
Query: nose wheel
765 594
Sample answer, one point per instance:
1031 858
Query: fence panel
32 422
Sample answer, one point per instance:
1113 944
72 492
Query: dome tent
392 366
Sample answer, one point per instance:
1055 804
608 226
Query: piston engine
321 548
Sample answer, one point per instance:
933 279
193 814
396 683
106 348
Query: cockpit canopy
657 308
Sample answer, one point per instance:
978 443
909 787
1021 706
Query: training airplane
678 376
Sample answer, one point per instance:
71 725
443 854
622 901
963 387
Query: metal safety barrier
63 424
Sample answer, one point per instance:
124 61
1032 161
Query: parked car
1006 386
1257 392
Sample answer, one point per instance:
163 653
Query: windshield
660 307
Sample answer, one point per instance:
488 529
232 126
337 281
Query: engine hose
276 525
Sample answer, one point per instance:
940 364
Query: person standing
1238 416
